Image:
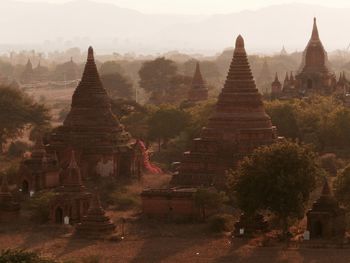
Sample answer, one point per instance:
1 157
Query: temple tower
326 219
238 125
315 76
103 147
276 88
95 224
199 90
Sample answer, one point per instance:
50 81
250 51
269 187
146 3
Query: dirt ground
167 248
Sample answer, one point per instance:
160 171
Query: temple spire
276 77
314 35
326 191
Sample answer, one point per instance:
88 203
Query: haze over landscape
58 25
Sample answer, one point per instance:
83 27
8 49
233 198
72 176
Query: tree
342 186
18 112
166 123
111 67
159 77
277 178
117 85
205 199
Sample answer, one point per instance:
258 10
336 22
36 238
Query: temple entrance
25 187
309 84
317 230
59 215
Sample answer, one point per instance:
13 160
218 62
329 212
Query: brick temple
314 75
38 171
326 219
102 146
238 126
199 90
71 198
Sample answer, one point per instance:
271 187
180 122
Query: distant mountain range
109 28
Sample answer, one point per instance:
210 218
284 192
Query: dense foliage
277 178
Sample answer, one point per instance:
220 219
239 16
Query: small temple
276 88
314 75
28 73
238 126
95 223
71 199
39 171
199 90
102 146
326 219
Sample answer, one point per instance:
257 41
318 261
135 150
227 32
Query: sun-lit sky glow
202 6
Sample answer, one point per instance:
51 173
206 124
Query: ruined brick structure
102 146
39 171
238 126
199 90
95 223
172 204
326 219
71 198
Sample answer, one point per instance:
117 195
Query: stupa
102 145
198 91
95 223
326 219
238 126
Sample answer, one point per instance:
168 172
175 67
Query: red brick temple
199 90
39 171
95 223
71 199
276 88
326 219
238 126
102 146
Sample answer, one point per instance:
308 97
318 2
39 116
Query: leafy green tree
160 78
166 123
18 112
342 186
277 178
118 86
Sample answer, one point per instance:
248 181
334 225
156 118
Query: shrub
124 200
218 223
21 256
39 205
91 259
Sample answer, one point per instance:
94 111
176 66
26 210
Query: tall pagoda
102 146
238 125
314 75
199 90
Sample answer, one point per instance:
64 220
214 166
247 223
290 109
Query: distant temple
28 73
199 90
314 76
238 126
102 146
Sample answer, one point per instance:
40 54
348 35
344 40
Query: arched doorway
59 215
317 229
25 187
309 84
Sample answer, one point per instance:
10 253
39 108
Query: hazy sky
202 6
